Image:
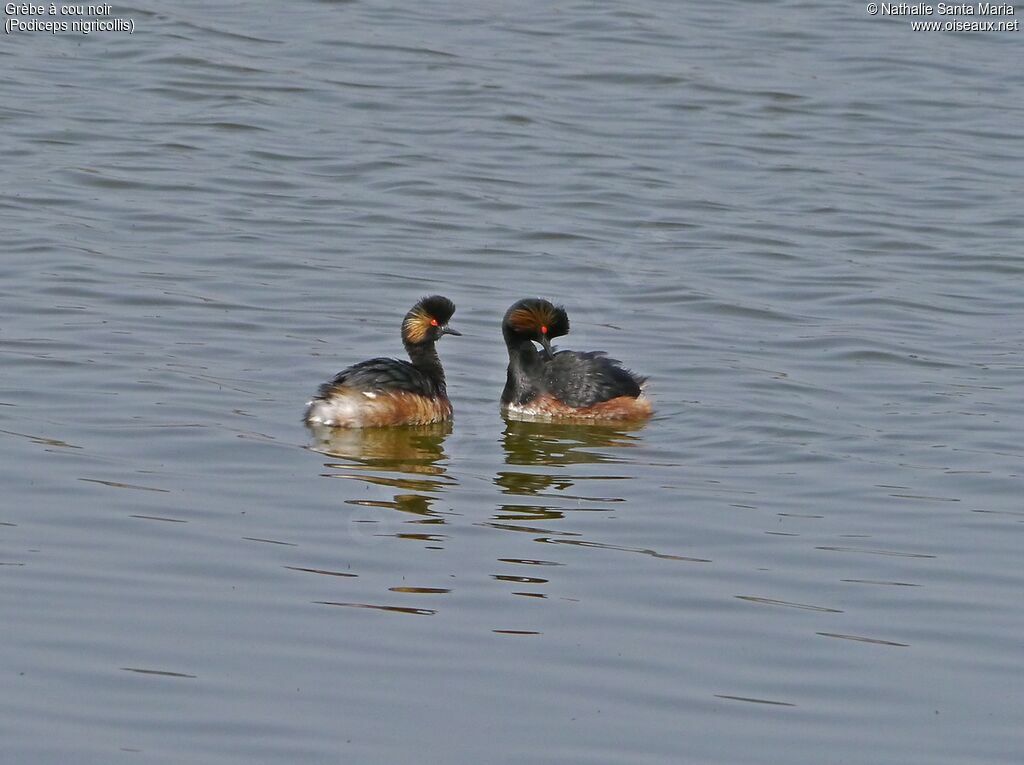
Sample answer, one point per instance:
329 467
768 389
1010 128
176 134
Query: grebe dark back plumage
563 384
386 391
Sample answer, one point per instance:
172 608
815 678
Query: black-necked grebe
391 391
563 384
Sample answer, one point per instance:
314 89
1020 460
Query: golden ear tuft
527 319
537 316
416 325
429 313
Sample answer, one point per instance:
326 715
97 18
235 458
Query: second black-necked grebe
386 391
563 384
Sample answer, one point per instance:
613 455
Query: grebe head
535 319
427 321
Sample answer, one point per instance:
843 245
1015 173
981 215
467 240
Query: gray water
802 222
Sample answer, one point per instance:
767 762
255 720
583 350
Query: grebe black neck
525 370
422 327
528 321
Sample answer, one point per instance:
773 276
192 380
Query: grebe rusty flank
563 384
385 391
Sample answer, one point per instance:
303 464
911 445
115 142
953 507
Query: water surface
801 222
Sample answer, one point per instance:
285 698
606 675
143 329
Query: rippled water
802 222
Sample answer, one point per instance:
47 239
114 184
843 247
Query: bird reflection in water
537 447
546 460
407 459
547 445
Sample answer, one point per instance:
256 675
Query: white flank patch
527 412
338 410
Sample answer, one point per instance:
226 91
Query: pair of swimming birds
541 384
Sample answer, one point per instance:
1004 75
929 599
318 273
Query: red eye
543 330
433 322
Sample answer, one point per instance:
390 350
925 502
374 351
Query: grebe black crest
386 391
550 385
